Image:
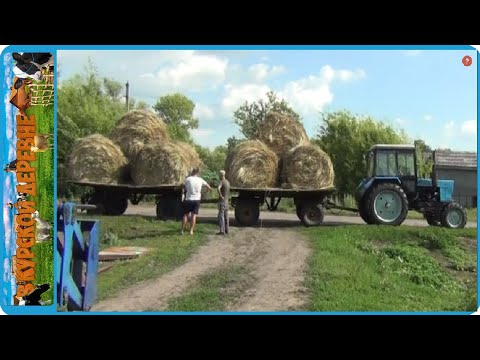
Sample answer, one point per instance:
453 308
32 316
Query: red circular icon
467 60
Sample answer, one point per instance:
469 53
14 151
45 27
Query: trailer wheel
247 212
386 204
299 211
454 216
311 214
432 219
115 205
169 208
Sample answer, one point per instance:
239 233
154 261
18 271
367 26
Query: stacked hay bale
252 165
306 167
97 159
136 129
299 164
281 133
139 151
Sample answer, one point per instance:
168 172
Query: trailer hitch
331 205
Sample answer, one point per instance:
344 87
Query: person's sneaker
220 233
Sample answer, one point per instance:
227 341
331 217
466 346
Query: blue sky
429 93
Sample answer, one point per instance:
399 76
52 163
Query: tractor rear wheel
386 204
454 216
363 212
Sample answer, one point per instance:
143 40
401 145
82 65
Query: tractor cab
396 163
392 187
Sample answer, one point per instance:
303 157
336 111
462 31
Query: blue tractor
392 188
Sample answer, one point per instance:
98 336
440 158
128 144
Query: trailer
310 203
112 199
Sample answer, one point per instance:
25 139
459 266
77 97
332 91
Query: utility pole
126 96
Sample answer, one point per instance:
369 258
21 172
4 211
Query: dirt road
275 219
274 259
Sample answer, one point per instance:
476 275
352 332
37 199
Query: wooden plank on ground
121 253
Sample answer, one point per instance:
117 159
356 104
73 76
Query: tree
87 104
250 115
232 141
424 161
213 161
141 105
90 101
177 111
346 138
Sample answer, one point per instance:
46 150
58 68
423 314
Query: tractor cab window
370 164
386 163
406 164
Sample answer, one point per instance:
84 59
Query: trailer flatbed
112 199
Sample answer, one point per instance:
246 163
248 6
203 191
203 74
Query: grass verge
360 268
168 249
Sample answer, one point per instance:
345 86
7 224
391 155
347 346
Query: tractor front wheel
454 216
386 204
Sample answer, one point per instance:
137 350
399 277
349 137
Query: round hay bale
136 129
281 133
307 167
251 164
160 164
190 154
96 158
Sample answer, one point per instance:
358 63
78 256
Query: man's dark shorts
191 206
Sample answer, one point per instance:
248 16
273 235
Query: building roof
456 159
393 146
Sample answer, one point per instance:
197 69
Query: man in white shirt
193 194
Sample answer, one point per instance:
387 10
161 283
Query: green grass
213 291
359 268
44 200
168 249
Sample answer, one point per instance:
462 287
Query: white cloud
203 112
413 52
260 72
237 95
428 117
309 95
193 72
449 128
12 154
201 133
469 128
401 121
